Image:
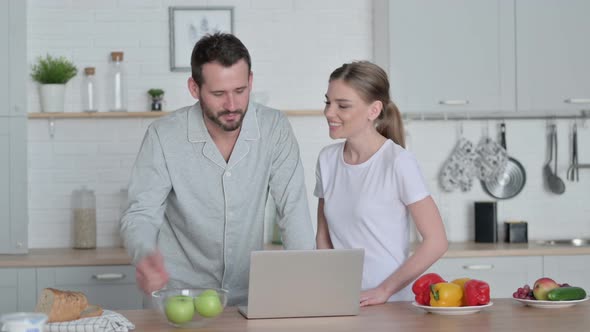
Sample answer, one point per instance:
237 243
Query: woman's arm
322 237
434 244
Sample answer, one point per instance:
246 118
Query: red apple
542 287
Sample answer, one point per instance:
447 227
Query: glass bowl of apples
190 307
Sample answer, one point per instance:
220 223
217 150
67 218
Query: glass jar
117 84
89 91
84 210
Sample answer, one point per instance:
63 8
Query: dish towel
458 170
109 321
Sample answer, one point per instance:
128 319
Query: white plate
453 310
550 304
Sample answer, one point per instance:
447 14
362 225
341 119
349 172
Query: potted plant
52 75
157 98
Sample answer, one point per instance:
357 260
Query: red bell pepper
421 287
477 292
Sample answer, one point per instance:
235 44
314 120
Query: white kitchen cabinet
4 182
447 56
573 270
552 51
13 57
13 127
4 62
111 287
13 185
503 274
17 290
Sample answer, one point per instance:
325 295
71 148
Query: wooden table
504 315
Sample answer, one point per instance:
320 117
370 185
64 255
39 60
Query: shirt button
228 174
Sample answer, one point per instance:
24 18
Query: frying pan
510 182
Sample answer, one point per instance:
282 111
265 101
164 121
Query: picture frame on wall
188 25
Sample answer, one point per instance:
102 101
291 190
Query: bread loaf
91 311
62 306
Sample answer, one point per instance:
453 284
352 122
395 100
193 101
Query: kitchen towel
109 321
491 159
458 171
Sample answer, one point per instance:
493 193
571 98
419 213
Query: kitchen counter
118 256
472 249
67 257
504 315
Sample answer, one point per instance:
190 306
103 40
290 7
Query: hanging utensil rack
582 115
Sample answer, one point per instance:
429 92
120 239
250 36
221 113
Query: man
202 177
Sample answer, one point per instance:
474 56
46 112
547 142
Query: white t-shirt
365 206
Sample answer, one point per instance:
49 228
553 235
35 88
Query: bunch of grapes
525 292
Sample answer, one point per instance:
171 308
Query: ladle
554 183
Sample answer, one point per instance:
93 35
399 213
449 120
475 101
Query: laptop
304 283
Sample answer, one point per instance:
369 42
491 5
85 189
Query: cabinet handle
478 267
577 101
454 102
109 276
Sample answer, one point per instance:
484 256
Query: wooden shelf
157 114
85 115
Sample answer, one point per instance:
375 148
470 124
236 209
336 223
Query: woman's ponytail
390 124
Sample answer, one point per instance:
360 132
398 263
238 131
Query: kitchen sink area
566 242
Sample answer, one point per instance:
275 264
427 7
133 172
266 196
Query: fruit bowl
190 307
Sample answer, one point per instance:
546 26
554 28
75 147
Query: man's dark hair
224 48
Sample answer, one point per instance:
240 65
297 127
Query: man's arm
148 189
287 186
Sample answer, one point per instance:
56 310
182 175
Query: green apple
179 309
208 304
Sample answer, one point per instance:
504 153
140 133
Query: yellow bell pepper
445 294
461 282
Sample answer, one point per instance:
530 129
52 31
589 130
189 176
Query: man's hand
150 273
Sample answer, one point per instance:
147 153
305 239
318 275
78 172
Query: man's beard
216 118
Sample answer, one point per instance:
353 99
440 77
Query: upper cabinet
553 55
485 55
451 55
13 57
4 63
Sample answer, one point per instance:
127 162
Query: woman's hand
374 296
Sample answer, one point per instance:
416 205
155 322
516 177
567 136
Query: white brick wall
291 66
288 64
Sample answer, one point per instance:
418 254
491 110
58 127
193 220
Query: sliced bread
61 306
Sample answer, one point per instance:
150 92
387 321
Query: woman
369 185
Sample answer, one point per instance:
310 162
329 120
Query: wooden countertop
67 257
472 249
504 315
118 256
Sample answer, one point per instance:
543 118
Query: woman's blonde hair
371 83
